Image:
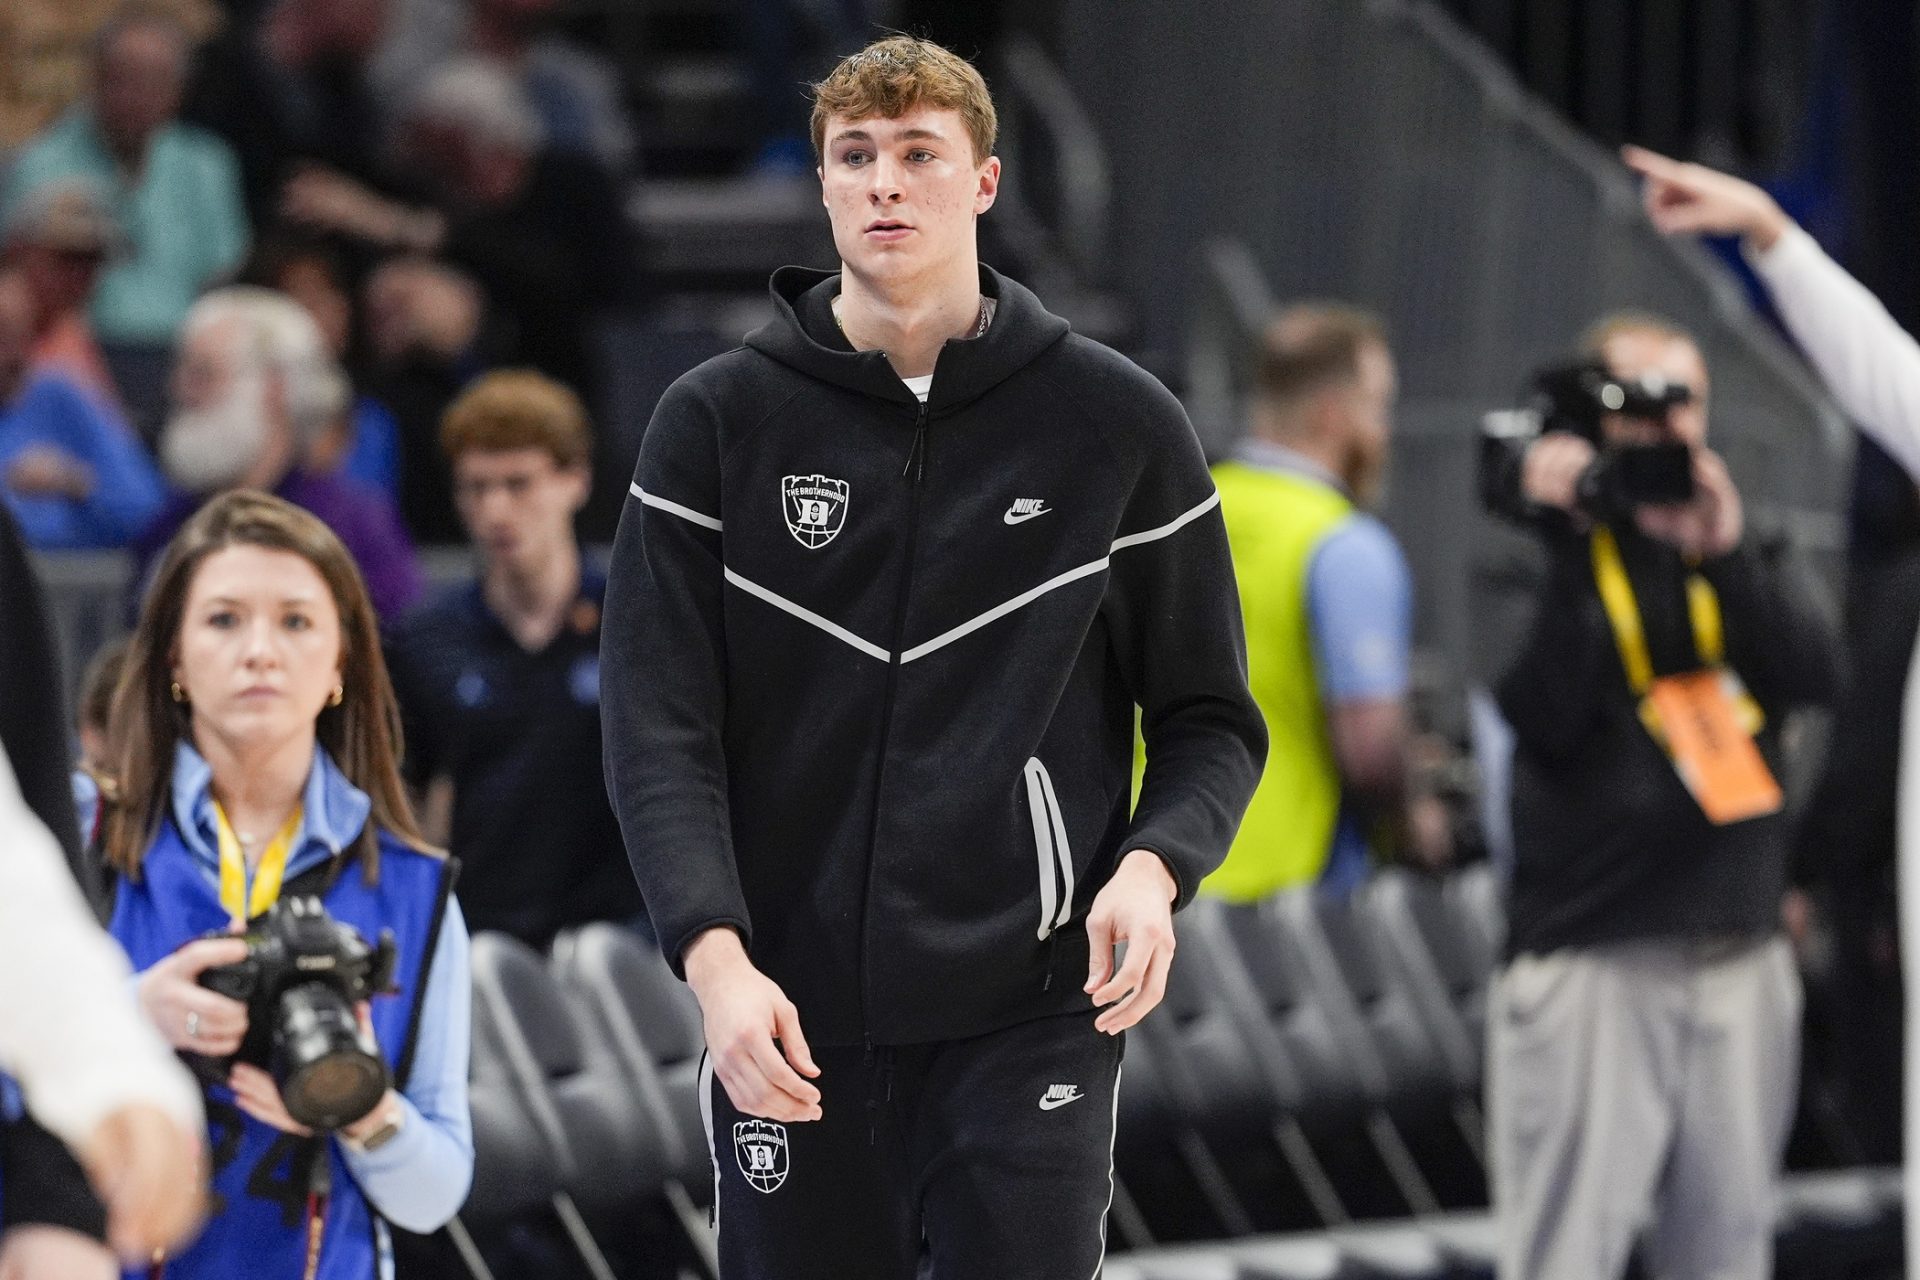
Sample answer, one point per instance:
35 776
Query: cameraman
1644 1033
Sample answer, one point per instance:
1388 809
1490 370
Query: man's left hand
1135 907
48 471
1711 524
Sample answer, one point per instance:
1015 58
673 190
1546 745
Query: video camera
303 975
1576 398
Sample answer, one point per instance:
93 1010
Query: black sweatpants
984 1157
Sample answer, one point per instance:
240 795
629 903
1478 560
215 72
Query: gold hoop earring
179 694
339 695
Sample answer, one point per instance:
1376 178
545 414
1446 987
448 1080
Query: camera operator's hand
753 1031
1709 526
255 1093
188 1015
1550 473
1691 198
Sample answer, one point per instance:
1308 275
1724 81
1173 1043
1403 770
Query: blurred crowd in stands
438 194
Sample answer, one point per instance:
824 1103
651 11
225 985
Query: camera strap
319 1193
1623 614
240 904
1705 720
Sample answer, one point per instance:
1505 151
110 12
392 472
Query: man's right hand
1686 198
38 1252
753 1031
1550 473
152 1177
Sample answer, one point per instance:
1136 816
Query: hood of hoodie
967 368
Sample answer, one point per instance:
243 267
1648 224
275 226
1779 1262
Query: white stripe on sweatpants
706 1122
1113 1133
1907 869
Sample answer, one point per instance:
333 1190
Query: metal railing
1373 151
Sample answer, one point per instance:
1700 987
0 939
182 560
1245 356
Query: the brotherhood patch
761 1148
815 507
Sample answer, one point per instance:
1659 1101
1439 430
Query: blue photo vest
258 1224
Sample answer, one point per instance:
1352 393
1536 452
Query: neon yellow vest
1275 521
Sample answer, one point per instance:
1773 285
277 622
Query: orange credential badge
1711 746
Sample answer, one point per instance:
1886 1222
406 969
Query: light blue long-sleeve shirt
418 1180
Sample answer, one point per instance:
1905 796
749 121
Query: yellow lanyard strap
240 906
1623 612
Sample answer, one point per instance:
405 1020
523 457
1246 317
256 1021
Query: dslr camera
1576 398
303 975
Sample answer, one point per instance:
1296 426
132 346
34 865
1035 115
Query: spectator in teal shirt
175 188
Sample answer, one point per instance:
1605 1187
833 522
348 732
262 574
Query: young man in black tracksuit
890 583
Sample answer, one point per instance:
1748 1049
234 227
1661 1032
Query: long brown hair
362 734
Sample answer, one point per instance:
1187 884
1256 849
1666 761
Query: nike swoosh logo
1011 518
1049 1104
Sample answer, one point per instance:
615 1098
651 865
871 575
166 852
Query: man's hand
745 1014
415 305
1429 833
1135 907
150 1174
1550 472
1709 526
1691 198
48 471
39 1252
326 200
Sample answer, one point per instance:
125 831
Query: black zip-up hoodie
870 667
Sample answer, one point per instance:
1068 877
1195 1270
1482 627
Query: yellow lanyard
1630 635
240 906
1623 612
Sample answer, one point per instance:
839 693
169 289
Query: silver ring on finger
193 1024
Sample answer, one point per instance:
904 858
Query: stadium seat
611 1155
651 1022
1439 964
1230 1077
1427 1077
1343 1085
515 1172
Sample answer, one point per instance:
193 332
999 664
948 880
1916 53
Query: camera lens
327 1076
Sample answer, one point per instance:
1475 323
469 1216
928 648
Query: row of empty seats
1306 1104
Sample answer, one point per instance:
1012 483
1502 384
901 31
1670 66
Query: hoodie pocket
1050 848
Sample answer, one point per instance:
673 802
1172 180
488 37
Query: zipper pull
917 455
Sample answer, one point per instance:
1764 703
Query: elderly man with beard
1328 604
254 390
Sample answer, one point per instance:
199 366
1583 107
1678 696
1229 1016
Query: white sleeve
1867 361
68 1030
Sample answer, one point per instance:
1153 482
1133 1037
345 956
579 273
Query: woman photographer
255 738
